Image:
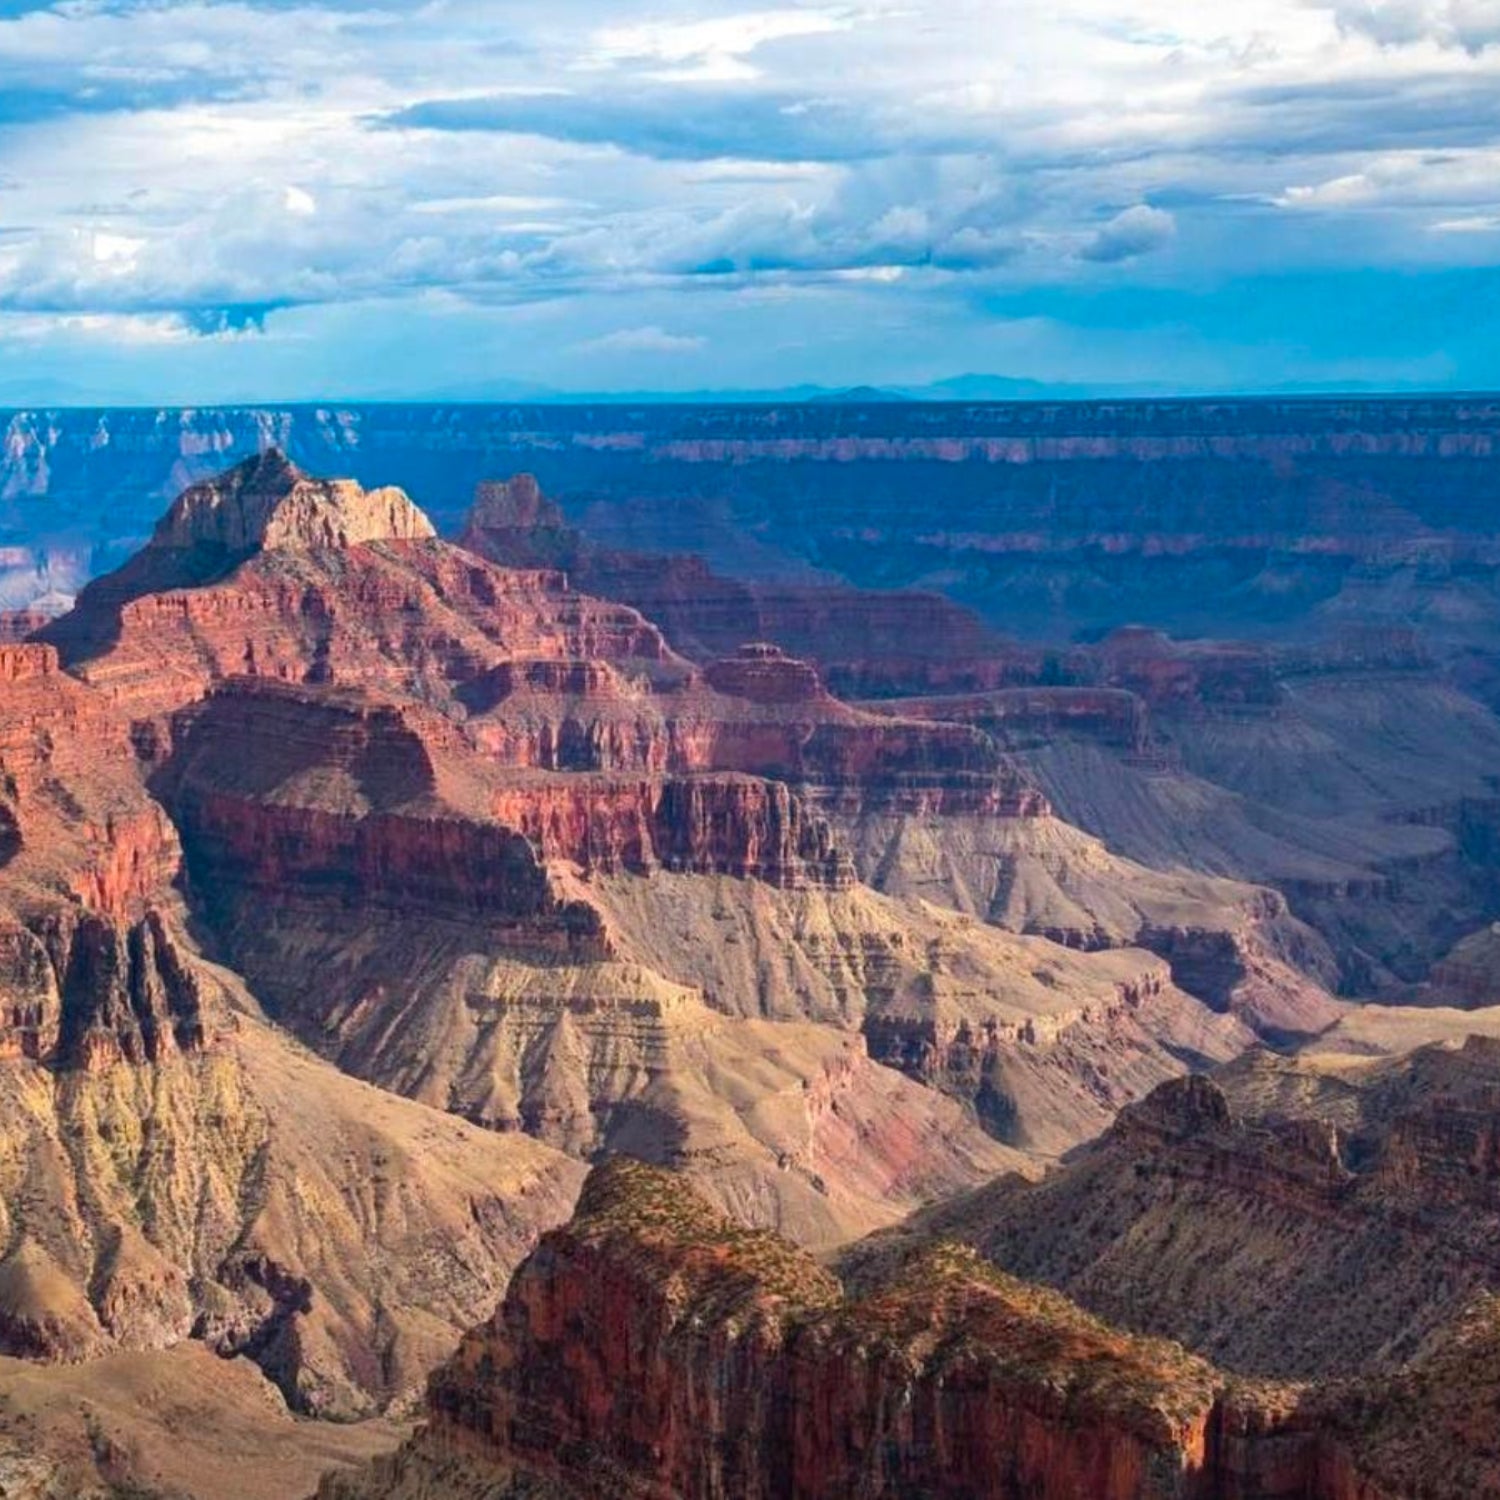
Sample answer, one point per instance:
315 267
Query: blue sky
272 201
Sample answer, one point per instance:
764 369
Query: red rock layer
69 796
650 1350
17 624
300 790
89 973
725 824
866 642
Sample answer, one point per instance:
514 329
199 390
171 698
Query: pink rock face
20 663
77 817
703 825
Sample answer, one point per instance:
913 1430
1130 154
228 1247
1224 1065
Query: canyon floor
1049 1067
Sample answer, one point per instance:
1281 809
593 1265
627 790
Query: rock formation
652 1348
170 1167
1236 1213
498 815
871 642
268 504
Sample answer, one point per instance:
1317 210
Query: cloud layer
291 199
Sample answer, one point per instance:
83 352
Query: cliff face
1053 518
650 1349
170 1167
1233 1217
498 815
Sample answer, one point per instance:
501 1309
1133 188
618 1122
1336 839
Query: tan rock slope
173 1168
164 1425
1289 1218
498 819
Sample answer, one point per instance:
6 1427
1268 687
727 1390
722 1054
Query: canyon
652 1348
990 1041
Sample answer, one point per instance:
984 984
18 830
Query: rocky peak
764 673
514 523
516 502
27 663
1189 1106
267 503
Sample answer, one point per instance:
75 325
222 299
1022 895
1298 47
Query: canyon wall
651 1349
1052 517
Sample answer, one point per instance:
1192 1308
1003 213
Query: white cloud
1136 231
1474 224
711 50
647 340
299 202
222 163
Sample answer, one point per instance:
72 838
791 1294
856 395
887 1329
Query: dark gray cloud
680 123
1470 24
1422 109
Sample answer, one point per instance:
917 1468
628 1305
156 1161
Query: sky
325 199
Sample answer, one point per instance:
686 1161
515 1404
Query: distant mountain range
26 393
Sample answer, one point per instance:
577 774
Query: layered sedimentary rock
1048 517
1167 752
499 819
651 1348
1234 946
871 642
364 842
545 678
503 862
1237 1214
323 832
1171 751
170 1167
389 608
1363 795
